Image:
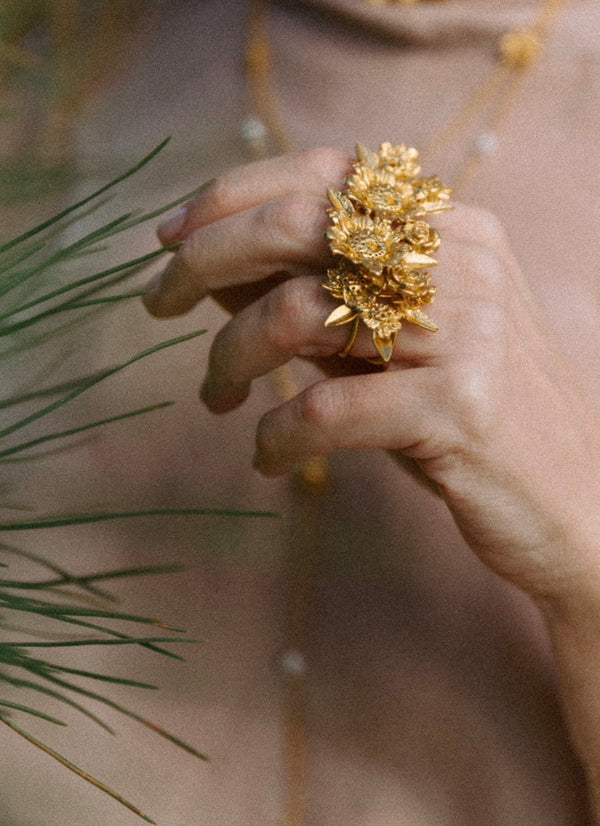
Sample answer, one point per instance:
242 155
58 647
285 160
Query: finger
311 171
464 223
400 409
288 322
284 236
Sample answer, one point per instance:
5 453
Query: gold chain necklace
264 133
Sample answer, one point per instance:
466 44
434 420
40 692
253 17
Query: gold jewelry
383 245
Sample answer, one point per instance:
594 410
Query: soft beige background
431 699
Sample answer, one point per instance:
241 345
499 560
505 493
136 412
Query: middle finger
285 323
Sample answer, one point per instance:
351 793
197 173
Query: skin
488 410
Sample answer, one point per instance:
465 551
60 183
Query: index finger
282 238
310 171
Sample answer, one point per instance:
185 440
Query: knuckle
475 396
220 195
491 230
280 315
483 339
479 416
298 221
319 407
489 325
486 270
480 225
491 226
326 164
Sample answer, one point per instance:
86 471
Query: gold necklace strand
265 123
262 129
517 52
264 132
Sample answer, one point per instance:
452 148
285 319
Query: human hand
488 408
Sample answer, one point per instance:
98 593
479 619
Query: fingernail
171 227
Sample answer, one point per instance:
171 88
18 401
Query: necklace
517 51
264 133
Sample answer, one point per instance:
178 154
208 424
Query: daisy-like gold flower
400 160
364 240
431 196
383 246
379 192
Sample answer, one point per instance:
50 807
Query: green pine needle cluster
37 304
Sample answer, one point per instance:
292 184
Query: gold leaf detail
421 319
384 345
341 315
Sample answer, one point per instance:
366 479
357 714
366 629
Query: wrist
572 618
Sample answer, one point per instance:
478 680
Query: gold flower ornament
383 245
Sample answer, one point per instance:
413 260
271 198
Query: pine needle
76 770
104 374
60 215
62 434
82 519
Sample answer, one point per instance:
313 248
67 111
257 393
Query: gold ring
383 245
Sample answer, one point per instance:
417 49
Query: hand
488 408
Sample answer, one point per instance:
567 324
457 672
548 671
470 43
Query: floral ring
383 246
